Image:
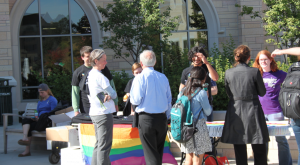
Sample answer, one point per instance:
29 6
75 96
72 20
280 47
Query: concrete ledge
219 115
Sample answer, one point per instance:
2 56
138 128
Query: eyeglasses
263 60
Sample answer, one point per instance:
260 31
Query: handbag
188 131
211 160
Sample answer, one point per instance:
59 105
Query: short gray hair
96 54
148 60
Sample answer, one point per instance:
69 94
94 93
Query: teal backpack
181 115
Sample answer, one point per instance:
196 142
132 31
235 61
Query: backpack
43 122
83 84
289 96
181 115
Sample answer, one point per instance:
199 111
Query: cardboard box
69 109
62 117
72 156
64 134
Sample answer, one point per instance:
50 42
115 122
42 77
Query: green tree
136 25
282 21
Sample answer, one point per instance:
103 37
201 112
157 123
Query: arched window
192 30
51 35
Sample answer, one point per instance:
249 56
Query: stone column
5 41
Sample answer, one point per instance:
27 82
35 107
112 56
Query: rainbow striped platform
126 148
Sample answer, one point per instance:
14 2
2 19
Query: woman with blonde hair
273 78
245 122
46 104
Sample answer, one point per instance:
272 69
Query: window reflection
179 39
79 20
30 60
199 39
30 93
78 43
56 50
196 16
30 21
56 54
178 8
54 17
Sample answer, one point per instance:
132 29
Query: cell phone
101 97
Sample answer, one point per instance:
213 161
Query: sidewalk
40 157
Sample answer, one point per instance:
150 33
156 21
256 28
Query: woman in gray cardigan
245 122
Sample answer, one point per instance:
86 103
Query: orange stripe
118 132
122 125
125 133
87 129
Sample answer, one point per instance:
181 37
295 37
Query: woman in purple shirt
46 104
273 78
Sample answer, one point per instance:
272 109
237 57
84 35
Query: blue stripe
88 160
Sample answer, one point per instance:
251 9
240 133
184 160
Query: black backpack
83 84
289 96
43 122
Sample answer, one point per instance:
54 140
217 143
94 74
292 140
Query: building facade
36 34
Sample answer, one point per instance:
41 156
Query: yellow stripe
124 143
88 140
167 139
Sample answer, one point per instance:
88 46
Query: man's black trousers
153 130
259 151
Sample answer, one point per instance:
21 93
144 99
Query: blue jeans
284 153
296 128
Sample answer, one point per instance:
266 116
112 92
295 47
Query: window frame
41 36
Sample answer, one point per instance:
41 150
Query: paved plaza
40 156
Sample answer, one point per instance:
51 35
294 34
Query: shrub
221 62
59 81
175 61
120 79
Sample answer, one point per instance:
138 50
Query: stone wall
243 29
6 68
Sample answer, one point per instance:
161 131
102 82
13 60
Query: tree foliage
136 25
282 21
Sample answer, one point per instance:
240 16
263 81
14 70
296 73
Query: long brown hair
241 54
197 75
273 64
49 93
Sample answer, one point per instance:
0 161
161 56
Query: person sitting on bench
46 104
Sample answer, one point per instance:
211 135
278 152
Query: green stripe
88 151
124 150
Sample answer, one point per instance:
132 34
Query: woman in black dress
245 122
136 69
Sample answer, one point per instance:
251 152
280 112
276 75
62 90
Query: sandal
21 155
22 142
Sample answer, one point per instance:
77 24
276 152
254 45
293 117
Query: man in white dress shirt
151 94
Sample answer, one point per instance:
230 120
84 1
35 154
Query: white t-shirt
97 83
